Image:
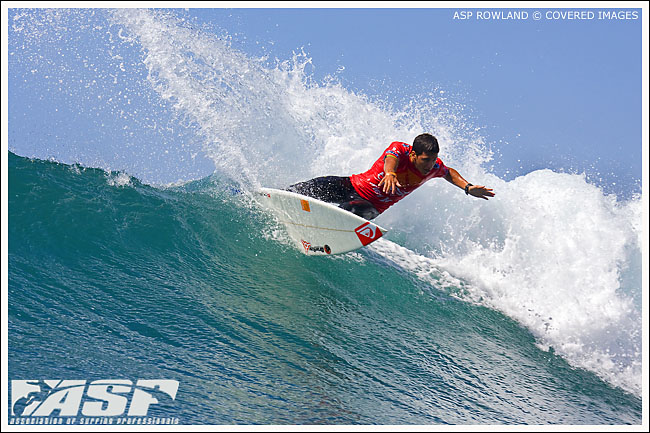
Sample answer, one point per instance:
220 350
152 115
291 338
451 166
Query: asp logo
368 233
43 398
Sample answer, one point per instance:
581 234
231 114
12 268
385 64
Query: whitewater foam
569 270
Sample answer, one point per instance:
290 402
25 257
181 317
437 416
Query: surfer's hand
480 191
388 183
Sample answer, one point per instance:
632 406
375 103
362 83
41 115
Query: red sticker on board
368 233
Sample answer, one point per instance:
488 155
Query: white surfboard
317 227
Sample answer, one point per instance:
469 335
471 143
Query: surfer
400 170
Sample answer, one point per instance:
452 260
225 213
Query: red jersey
367 184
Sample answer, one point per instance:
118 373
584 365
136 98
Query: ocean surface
130 259
110 278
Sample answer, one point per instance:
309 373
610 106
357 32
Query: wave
551 251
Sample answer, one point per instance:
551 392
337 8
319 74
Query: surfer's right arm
389 182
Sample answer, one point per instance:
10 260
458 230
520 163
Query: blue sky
557 92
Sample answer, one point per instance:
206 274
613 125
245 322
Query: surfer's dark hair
425 143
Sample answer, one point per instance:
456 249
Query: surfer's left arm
479 191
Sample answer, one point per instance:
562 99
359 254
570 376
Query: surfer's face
424 162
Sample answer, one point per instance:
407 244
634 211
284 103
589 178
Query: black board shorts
337 190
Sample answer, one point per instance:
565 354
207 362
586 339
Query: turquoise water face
110 278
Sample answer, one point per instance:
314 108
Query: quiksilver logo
368 233
105 398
